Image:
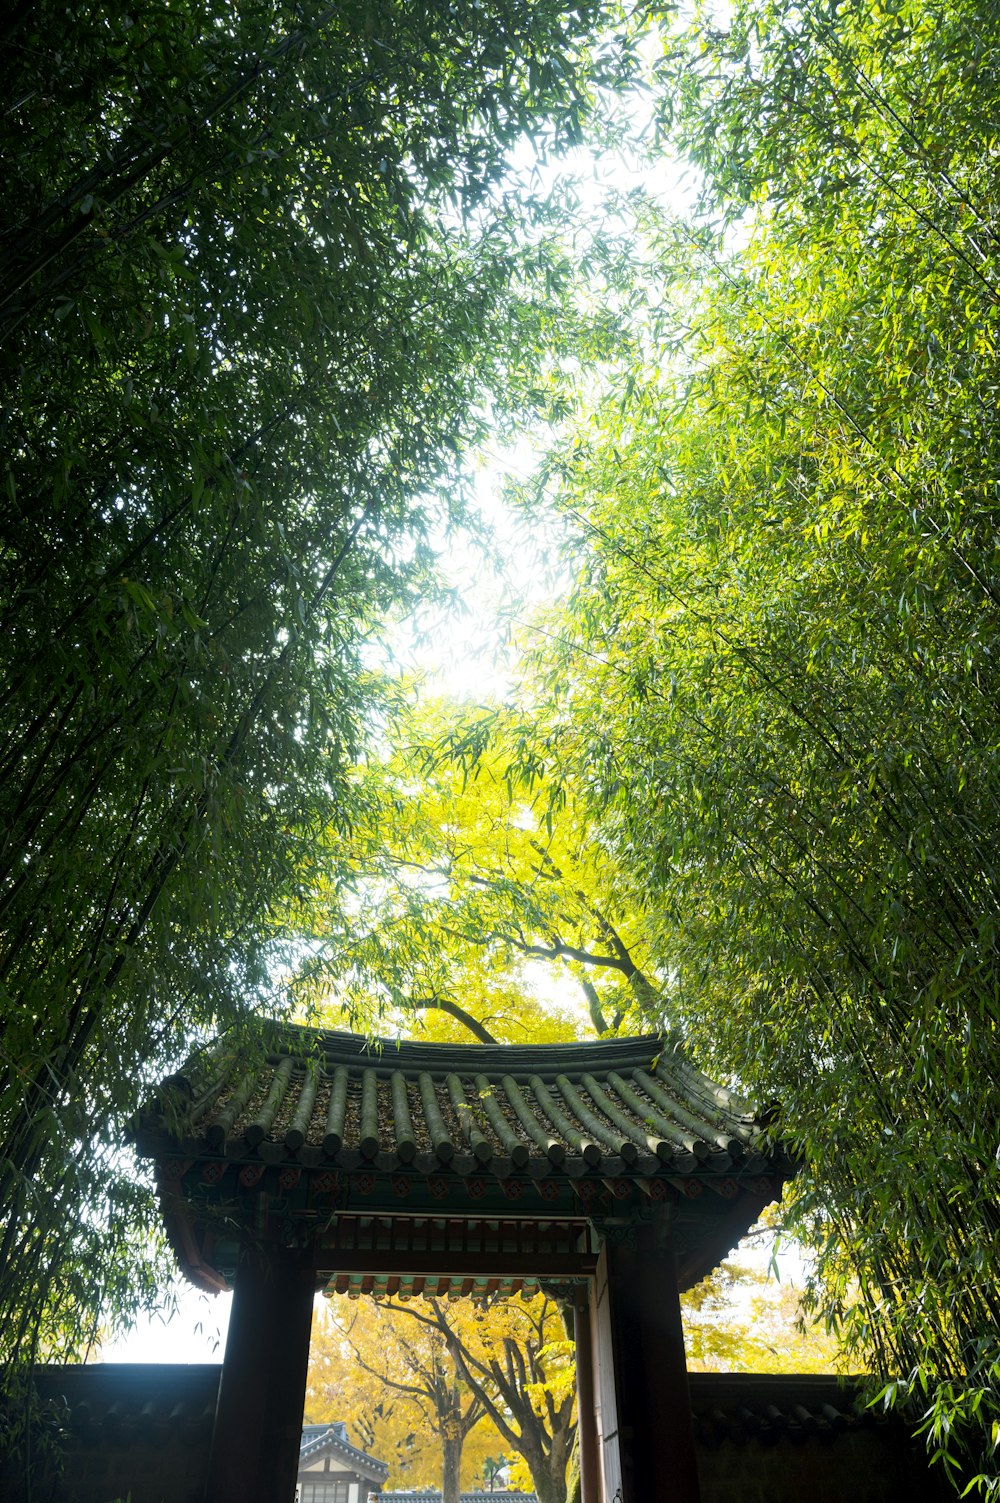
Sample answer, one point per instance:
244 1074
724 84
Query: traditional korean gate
613 1173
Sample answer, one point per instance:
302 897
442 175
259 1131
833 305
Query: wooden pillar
609 1441
586 1400
655 1435
258 1423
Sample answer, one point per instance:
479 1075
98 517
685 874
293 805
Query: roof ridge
412 1055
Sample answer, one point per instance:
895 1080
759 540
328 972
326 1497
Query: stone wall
146 1430
123 1428
803 1439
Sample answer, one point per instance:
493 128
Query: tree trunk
550 1486
547 1473
451 1467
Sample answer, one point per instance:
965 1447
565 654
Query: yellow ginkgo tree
396 1386
474 874
440 1388
515 1357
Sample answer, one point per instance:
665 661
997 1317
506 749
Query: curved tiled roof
631 1105
145 1429
773 1407
419 1167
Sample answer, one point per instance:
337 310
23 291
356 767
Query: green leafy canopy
775 679
258 284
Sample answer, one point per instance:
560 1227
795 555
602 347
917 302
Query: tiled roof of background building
331 1440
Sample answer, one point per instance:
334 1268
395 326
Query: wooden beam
606 1366
258 1422
457 1265
586 1399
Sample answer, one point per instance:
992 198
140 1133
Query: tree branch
445 1004
594 1005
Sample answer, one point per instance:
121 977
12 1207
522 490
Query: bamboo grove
775 681
257 287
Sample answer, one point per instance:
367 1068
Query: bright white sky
195 1333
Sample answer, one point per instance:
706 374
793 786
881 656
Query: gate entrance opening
613 1172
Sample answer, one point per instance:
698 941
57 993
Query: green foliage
775 683
258 285
463 887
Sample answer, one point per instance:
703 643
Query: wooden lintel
568 1265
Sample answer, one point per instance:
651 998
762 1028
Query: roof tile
618 1107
